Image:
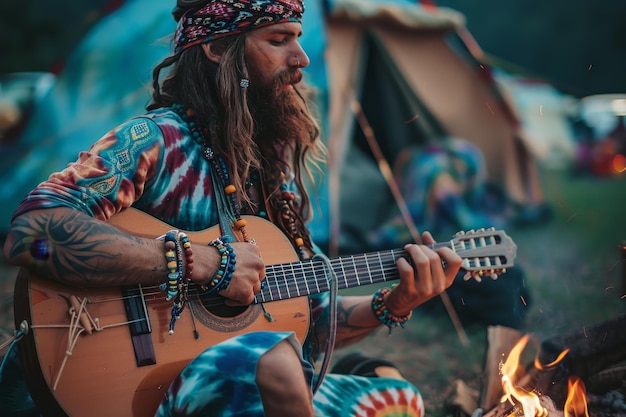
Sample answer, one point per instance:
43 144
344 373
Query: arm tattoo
347 332
74 245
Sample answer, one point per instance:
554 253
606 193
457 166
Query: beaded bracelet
382 312
176 284
186 247
173 256
225 271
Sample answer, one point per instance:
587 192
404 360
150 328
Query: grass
575 273
575 265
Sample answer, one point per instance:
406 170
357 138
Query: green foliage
36 34
576 45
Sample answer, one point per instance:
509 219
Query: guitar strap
224 208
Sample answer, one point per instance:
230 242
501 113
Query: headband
221 18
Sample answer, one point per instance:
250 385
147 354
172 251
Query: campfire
519 401
580 375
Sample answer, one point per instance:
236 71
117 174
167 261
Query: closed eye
278 42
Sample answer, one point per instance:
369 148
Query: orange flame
529 401
576 403
559 358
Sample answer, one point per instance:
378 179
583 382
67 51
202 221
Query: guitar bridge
139 325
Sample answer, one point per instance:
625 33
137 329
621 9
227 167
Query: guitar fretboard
489 251
296 279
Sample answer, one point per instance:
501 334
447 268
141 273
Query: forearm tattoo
69 246
348 331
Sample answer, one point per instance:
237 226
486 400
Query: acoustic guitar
107 351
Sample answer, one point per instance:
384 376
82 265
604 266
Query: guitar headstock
485 252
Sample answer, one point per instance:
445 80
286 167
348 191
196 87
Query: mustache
293 76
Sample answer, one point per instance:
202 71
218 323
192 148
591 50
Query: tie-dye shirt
150 162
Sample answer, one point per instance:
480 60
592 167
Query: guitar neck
482 251
313 276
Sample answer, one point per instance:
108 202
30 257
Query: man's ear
209 51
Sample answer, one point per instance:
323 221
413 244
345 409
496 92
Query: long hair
223 107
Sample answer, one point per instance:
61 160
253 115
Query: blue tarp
105 81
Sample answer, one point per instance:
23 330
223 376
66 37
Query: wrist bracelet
173 256
382 312
175 284
225 271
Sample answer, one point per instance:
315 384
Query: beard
280 114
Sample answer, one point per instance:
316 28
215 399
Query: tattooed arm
75 249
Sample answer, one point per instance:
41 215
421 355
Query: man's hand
424 278
249 272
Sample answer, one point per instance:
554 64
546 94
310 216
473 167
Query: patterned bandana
220 18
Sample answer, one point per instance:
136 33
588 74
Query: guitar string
277 285
352 277
374 265
275 290
358 261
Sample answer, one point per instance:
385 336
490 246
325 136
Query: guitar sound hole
216 306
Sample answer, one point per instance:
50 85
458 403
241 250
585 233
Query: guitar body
102 376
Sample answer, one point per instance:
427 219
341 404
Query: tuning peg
469 275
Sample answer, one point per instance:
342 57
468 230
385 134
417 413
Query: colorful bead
230 189
219 165
224 273
40 249
173 257
177 289
186 244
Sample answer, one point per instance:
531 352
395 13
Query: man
227 133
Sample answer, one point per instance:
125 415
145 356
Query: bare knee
280 365
281 382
